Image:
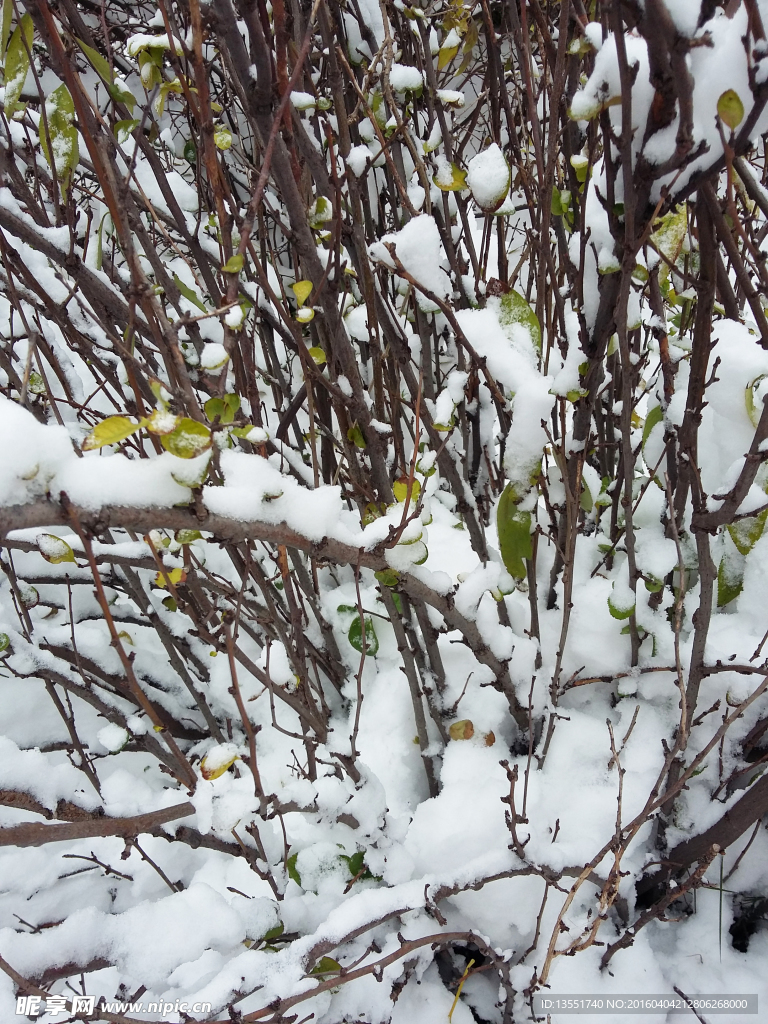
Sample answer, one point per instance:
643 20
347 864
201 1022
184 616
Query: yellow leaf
110 431
188 440
400 489
212 766
445 56
463 730
233 265
176 576
305 315
302 290
162 421
17 63
318 355
54 549
355 435
222 138
731 109
456 183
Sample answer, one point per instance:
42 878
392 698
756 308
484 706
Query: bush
383 491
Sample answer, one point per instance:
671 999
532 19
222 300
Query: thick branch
36 834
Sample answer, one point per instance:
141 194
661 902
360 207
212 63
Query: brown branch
37 834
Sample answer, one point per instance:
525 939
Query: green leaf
120 93
99 63
387 577
17 62
585 501
355 435
730 581
187 536
274 933
514 531
747 532
64 152
124 129
457 182
188 440
731 109
355 862
302 290
188 293
327 965
516 310
656 415
293 871
317 355
5 642
619 613
233 265
110 431
355 636
190 152
36 383
397 601
54 549
225 408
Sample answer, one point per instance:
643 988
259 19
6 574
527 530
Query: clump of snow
403 77
303 100
32 454
357 159
234 320
142 41
214 354
112 737
420 250
488 177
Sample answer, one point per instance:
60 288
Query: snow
214 354
357 158
27 469
112 737
403 77
196 927
419 248
488 177
142 41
